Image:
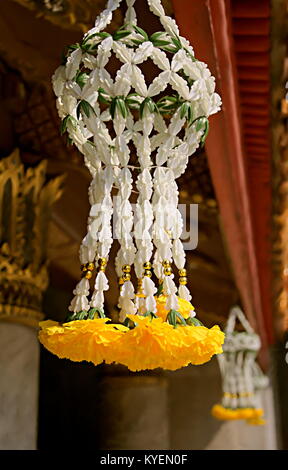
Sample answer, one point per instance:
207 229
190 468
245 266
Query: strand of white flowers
87 252
164 220
97 195
159 236
144 221
260 382
230 389
126 253
226 399
124 222
123 154
222 361
236 393
101 230
248 377
98 236
178 251
89 243
176 124
145 210
232 381
243 399
174 225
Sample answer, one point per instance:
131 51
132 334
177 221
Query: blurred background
239 180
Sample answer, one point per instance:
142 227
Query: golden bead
168 271
121 282
90 266
197 198
166 264
183 280
182 272
140 286
88 274
102 261
126 268
83 268
148 273
211 203
147 265
102 268
126 277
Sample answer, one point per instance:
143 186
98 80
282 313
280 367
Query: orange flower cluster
151 343
251 415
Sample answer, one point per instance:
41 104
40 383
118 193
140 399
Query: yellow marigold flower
148 346
155 343
81 340
185 307
199 343
256 421
220 412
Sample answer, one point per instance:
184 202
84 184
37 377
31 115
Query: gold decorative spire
25 208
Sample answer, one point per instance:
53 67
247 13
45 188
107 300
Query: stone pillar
134 412
19 366
25 208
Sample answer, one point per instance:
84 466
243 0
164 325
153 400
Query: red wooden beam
207 24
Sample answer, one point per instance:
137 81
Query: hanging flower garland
105 119
242 378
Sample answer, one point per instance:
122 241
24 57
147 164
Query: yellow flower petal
155 343
222 413
81 340
256 421
185 307
199 343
